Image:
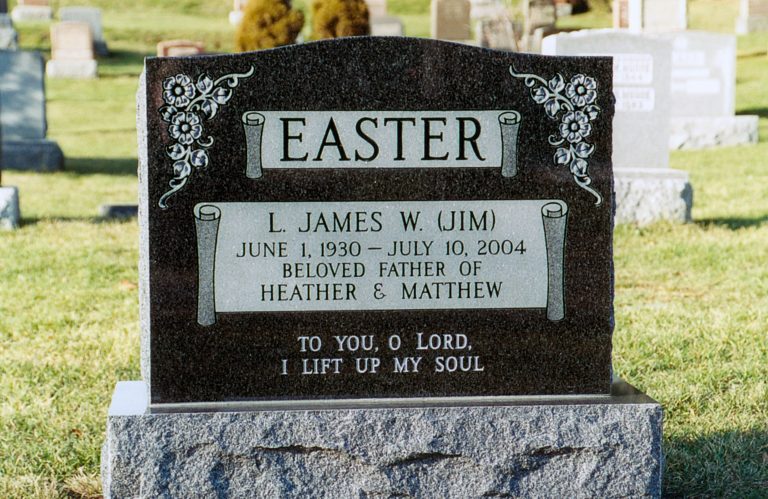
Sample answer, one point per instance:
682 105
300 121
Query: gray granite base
38 155
22 13
10 214
607 446
647 195
704 133
81 70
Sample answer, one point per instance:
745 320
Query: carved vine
572 103
188 106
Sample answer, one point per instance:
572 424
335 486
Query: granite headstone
9 198
386 236
3 6
23 98
660 15
651 15
376 8
539 14
487 9
641 85
382 24
387 26
9 38
23 117
646 188
704 91
621 13
346 258
72 53
92 16
497 33
539 19
564 8
32 10
449 20
753 17
10 214
179 48
703 73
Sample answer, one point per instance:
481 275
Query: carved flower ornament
581 90
188 105
178 90
575 126
572 104
185 127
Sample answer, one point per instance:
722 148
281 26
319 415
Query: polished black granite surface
199 151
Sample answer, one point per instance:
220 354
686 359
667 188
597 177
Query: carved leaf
584 150
168 112
199 158
579 167
204 83
210 108
221 95
540 95
556 84
177 151
552 107
181 169
562 156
